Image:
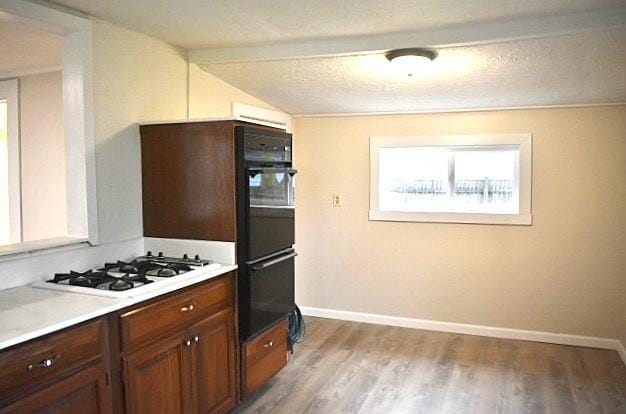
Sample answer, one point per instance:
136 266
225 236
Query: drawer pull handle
268 344
196 338
188 308
46 363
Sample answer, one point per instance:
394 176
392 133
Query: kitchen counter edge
19 304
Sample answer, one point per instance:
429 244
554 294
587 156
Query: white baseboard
467 329
621 350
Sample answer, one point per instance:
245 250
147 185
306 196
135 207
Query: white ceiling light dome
410 60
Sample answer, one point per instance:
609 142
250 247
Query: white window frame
523 176
82 214
9 90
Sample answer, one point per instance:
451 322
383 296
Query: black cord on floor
296 328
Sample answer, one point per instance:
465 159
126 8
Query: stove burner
136 278
121 284
85 279
167 269
123 267
161 272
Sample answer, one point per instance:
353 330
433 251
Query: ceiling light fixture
410 59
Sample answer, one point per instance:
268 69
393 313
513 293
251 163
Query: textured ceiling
193 24
507 53
24 47
577 69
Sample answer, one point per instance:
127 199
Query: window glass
413 179
484 180
448 179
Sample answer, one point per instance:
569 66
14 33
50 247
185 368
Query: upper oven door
271 194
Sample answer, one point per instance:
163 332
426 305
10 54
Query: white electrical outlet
337 199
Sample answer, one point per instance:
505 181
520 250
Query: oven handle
255 171
264 265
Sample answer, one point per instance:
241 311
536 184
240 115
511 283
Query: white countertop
27 312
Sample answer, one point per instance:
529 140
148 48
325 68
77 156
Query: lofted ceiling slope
320 57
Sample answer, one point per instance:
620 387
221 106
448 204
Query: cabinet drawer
50 356
177 311
264 356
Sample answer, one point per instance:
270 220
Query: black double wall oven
266 230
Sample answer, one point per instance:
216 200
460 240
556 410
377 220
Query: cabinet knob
196 338
188 342
268 344
46 363
187 308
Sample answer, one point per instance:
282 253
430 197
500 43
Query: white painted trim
468 35
31 246
621 350
9 90
523 177
187 120
261 116
460 110
466 329
80 156
77 110
30 71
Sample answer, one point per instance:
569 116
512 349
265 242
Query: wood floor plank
350 367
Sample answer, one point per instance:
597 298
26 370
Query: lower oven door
270 292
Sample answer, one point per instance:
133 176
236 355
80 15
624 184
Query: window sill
20 250
460 218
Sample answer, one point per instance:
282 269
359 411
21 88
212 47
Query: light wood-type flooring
349 367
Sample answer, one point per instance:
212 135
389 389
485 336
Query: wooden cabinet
188 180
213 363
263 357
191 367
174 354
64 372
155 379
146 323
85 391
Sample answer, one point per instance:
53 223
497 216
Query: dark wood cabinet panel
177 312
193 370
263 357
213 364
155 379
83 392
188 173
50 357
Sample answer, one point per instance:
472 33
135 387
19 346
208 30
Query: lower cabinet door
213 363
155 377
83 392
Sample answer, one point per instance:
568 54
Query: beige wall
562 274
136 78
212 97
42 146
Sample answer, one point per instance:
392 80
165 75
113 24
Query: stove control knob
149 254
160 255
197 257
185 256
